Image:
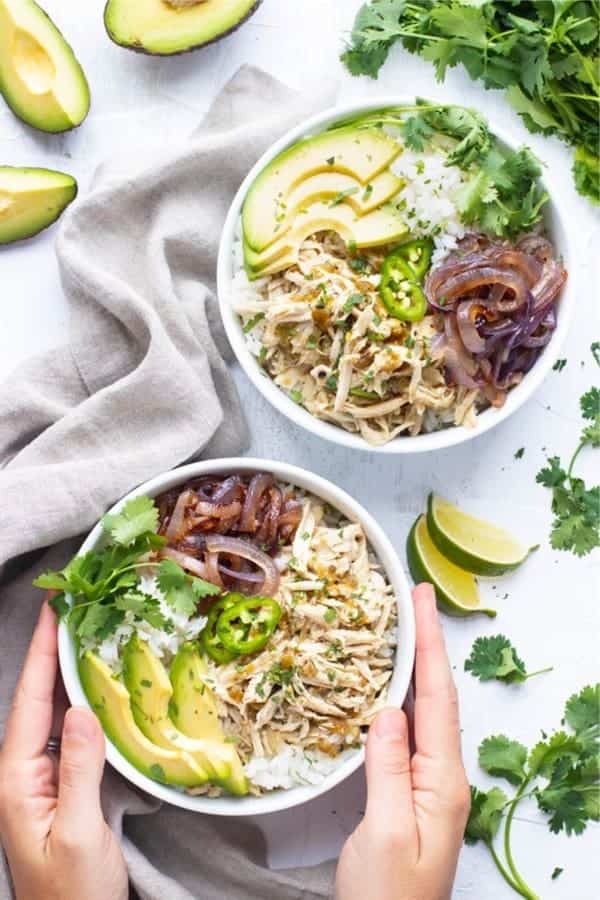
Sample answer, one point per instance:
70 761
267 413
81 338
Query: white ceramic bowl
556 220
277 800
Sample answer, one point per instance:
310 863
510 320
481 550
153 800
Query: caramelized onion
498 306
466 326
187 562
258 485
176 527
238 547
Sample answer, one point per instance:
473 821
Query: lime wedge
456 590
471 543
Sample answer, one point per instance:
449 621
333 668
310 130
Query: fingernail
390 723
79 724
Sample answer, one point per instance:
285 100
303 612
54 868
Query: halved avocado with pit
31 199
40 77
166 27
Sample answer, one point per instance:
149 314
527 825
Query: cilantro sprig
576 508
561 772
105 584
543 54
495 658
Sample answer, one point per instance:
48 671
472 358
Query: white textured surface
551 611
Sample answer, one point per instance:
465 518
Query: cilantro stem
524 889
539 672
580 447
502 869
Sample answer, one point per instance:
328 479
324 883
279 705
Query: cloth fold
141 386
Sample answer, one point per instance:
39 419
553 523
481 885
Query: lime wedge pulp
471 543
456 590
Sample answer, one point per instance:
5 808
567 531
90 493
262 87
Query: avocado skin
137 48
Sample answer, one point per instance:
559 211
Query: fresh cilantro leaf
138 515
181 591
53 581
543 54
503 758
582 711
60 606
417 133
485 815
495 657
595 350
203 588
546 754
519 453
553 474
576 508
99 622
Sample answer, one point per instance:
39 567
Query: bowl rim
555 213
403 663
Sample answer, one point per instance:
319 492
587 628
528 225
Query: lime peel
456 590
471 543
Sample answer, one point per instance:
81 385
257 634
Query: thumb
80 772
389 782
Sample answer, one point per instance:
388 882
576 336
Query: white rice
430 209
292 767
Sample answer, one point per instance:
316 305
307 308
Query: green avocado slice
151 701
194 712
360 153
31 199
165 27
40 77
110 701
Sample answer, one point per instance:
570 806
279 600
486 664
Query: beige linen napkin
140 387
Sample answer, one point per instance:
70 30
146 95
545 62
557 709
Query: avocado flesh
40 77
381 226
110 700
332 187
192 706
162 27
151 701
30 200
194 713
359 153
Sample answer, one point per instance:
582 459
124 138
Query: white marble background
550 608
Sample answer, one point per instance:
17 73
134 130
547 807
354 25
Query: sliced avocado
194 713
164 27
360 153
381 226
151 700
335 187
40 77
110 701
31 199
192 707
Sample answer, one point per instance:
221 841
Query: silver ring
53 745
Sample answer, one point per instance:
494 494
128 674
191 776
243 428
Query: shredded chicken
322 333
322 677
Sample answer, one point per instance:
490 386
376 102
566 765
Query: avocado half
40 76
167 27
31 200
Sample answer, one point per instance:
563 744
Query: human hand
52 829
407 845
